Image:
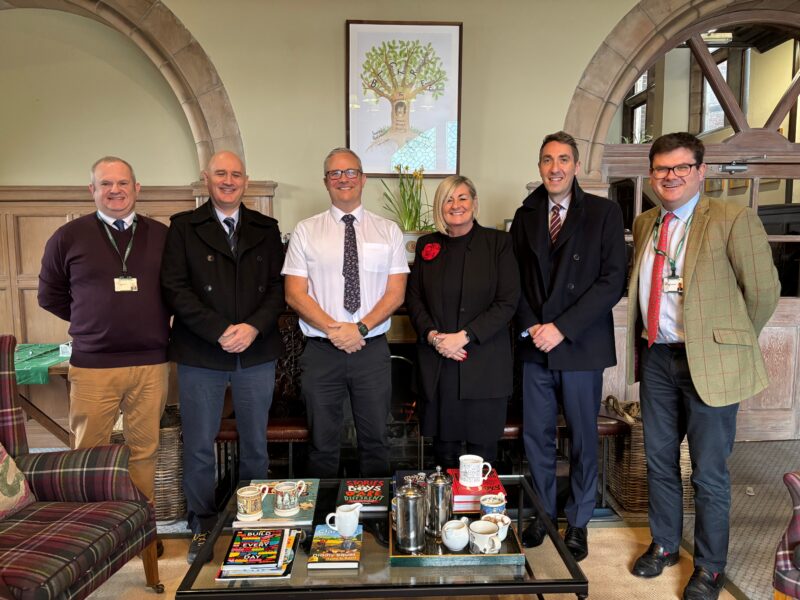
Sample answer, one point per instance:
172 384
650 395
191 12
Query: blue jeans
202 394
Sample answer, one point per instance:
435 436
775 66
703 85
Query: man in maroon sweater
100 272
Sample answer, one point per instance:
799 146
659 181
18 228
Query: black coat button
258 258
576 257
570 286
208 288
261 288
210 258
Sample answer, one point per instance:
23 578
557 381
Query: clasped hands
449 345
237 338
545 337
346 337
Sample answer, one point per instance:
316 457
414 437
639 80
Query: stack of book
259 554
468 499
304 516
329 550
372 494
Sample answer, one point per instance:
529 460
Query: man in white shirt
346 274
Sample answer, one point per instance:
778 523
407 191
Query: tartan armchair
88 521
786 579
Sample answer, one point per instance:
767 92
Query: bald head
226 181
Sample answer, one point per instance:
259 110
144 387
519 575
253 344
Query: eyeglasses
337 173
681 170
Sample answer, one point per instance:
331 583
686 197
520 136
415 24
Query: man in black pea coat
221 277
571 252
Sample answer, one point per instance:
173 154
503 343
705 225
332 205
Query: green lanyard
672 261
114 243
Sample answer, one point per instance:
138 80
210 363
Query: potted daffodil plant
409 206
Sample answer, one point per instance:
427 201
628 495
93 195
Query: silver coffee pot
411 511
440 501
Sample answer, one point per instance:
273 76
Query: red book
373 494
463 494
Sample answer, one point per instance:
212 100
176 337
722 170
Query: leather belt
368 340
676 346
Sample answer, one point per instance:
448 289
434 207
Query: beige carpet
612 551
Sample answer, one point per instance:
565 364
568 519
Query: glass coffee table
548 569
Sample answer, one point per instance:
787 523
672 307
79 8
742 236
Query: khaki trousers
97 396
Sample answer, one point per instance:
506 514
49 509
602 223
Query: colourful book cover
491 485
250 574
329 550
371 493
255 548
304 516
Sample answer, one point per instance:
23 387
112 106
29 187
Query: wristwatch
362 329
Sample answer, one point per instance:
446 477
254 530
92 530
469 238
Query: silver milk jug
440 501
411 512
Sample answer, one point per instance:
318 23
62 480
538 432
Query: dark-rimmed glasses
337 173
681 170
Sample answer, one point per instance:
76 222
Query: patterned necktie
657 281
555 222
119 224
352 289
231 225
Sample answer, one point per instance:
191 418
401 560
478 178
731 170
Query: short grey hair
336 151
111 159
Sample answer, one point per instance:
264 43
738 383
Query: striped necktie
231 225
555 222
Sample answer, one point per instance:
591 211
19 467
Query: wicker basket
627 471
170 501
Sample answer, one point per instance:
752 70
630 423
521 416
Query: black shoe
652 562
703 585
534 534
576 540
198 541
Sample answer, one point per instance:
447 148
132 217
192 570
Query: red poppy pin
431 251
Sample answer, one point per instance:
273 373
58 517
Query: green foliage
400 69
407 206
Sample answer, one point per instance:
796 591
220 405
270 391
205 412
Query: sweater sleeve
54 287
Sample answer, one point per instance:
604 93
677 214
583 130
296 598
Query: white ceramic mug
287 497
455 534
470 470
483 537
346 517
502 521
248 502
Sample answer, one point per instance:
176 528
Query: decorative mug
470 470
502 521
455 534
346 517
483 537
493 503
287 497
248 502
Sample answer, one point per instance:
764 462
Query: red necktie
555 222
657 282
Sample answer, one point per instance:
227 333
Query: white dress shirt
221 216
670 317
316 252
110 220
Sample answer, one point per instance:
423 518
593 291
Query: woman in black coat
461 295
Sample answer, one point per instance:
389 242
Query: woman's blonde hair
443 193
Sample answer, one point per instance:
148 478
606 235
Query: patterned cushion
15 494
49 546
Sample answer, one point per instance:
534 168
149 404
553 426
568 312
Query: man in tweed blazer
693 343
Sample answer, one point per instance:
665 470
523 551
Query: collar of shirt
564 204
110 220
684 213
338 213
221 216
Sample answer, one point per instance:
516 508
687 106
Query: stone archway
646 33
194 80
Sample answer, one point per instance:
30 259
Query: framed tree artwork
404 96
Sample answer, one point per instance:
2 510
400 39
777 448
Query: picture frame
712 186
403 104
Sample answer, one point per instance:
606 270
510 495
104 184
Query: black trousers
672 410
328 376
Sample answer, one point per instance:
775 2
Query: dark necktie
657 281
119 224
555 222
231 225
352 289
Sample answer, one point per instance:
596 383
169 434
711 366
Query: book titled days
372 494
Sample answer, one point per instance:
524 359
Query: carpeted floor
613 549
760 510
